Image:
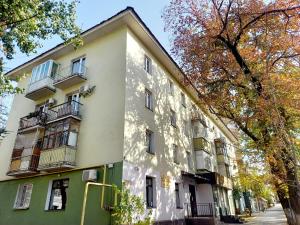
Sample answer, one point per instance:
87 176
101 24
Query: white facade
115 119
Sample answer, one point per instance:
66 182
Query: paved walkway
272 216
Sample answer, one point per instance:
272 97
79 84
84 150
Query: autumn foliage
243 57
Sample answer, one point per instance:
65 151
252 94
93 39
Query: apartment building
113 111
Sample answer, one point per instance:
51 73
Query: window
23 196
171 87
78 66
173 118
183 102
58 194
175 154
150 192
149 141
177 196
189 159
228 174
44 70
186 128
61 133
148 99
148 64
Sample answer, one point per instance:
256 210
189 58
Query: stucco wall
138 118
36 213
101 130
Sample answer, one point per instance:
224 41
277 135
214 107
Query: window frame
50 195
173 118
150 204
148 99
171 87
82 63
189 160
148 64
175 149
150 145
22 195
178 196
183 99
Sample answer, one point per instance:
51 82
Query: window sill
174 125
151 207
149 108
21 208
179 207
54 210
151 153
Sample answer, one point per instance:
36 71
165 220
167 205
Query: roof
129 17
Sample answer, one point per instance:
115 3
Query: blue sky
91 12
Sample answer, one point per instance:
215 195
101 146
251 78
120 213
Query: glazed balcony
40 89
65 110
70 76
24 161
34 120
57 159
221 151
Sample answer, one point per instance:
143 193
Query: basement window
57 195
23 196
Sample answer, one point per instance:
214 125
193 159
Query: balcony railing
40 89
70 108
57 158
32 120
69 76
23 165
199 210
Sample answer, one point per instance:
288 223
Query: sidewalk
272 216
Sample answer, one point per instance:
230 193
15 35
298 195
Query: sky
92 12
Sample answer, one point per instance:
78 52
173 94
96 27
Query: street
272 216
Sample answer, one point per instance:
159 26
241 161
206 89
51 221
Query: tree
131 209
24 23
243 57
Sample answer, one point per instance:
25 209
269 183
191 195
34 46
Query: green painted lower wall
37 215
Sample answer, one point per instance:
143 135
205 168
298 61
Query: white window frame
81 69
150 135
148 99
175 149
183 99
171 87
25 197
173 118
147 64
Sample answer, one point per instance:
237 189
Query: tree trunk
294 197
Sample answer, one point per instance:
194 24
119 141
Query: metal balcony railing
69 72
199 210
23 164
33 119
62 157
70 108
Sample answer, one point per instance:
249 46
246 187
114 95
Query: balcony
221 158
40 89
59 145
65 110
24 161
221 149
56 159
70 76
41 81
215 178
34 120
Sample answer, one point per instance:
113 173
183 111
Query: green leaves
131 209
24 23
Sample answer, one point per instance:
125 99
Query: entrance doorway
193 201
